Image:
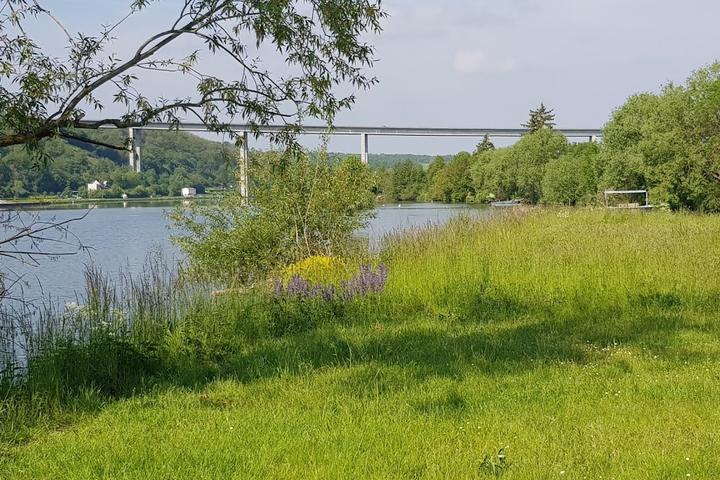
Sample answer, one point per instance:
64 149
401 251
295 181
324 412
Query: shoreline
67 202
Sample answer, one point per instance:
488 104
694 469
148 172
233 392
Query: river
122 235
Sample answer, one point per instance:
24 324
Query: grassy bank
584 343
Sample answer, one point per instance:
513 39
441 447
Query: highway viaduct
364 133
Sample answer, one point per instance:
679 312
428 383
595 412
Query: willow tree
321 44
319 49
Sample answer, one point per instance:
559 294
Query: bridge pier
134 140
244 156
593 138
364 158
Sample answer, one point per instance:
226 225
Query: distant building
96 185
188 192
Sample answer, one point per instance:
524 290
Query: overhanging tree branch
86 139
319 40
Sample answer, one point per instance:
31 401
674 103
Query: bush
299 208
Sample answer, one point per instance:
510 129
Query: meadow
546 343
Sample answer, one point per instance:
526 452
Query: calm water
122 237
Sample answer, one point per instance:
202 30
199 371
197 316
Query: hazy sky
482 63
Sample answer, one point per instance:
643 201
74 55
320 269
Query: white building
188 192
96 185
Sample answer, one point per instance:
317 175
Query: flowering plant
368 280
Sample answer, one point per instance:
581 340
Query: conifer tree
540 118
485 146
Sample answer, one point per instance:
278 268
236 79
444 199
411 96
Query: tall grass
546 258
107 343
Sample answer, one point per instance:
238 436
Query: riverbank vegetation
668 143
582 343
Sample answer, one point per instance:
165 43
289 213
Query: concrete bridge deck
386 131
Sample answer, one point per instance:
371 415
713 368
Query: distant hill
169 159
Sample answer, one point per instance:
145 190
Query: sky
482 63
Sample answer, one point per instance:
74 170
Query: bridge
364 133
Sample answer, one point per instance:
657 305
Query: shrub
299 208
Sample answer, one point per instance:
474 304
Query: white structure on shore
96 185
188 192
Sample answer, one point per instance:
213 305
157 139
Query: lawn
585 344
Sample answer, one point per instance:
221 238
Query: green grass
584 343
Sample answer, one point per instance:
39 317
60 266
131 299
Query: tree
572 178
530 156
494 175
670 143
540 118
457 177
407 181
485 146
25 238
320 41
517 171
206 163
433 191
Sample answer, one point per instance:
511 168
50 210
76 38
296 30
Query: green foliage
485 146
540 118
298 208
457 175
670 143
530 155
451 182
517 171
407 182
318 45
495 465
572 178
494 176
389 160
290 316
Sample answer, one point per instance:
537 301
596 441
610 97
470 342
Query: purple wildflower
365 282
298 286
328 293
369 280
